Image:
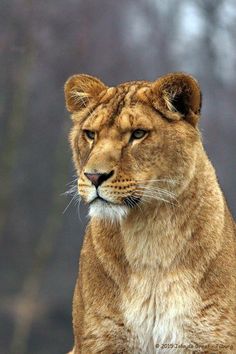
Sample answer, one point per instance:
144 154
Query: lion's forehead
127 119
120 106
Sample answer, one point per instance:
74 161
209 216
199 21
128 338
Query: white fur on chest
156 310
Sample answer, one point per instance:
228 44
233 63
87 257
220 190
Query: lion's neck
154 237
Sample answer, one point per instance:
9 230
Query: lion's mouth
102 199
130 201
108 202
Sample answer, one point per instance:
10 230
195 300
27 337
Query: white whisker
159 192
76 199
72 199
153 196
170 180
156 189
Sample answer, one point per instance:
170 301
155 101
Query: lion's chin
108 211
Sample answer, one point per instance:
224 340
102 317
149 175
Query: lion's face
129 149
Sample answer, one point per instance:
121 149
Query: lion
157 270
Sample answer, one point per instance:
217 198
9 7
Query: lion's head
133 144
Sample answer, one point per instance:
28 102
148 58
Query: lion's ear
80 90
177 96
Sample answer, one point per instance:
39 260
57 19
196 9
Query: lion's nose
98 178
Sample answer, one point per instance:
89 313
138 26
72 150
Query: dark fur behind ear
80 89
177 96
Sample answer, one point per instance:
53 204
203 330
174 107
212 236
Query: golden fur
157 268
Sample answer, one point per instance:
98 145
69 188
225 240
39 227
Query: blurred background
41 44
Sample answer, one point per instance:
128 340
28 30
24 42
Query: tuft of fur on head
169 97
108 211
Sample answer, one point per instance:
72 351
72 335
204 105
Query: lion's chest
156 312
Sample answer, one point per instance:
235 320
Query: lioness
157 269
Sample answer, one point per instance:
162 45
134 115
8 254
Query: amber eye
89 134
138 134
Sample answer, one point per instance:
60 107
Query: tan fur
162 271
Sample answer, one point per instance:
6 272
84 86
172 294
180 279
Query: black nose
98 178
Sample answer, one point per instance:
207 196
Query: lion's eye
89 134
138 134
